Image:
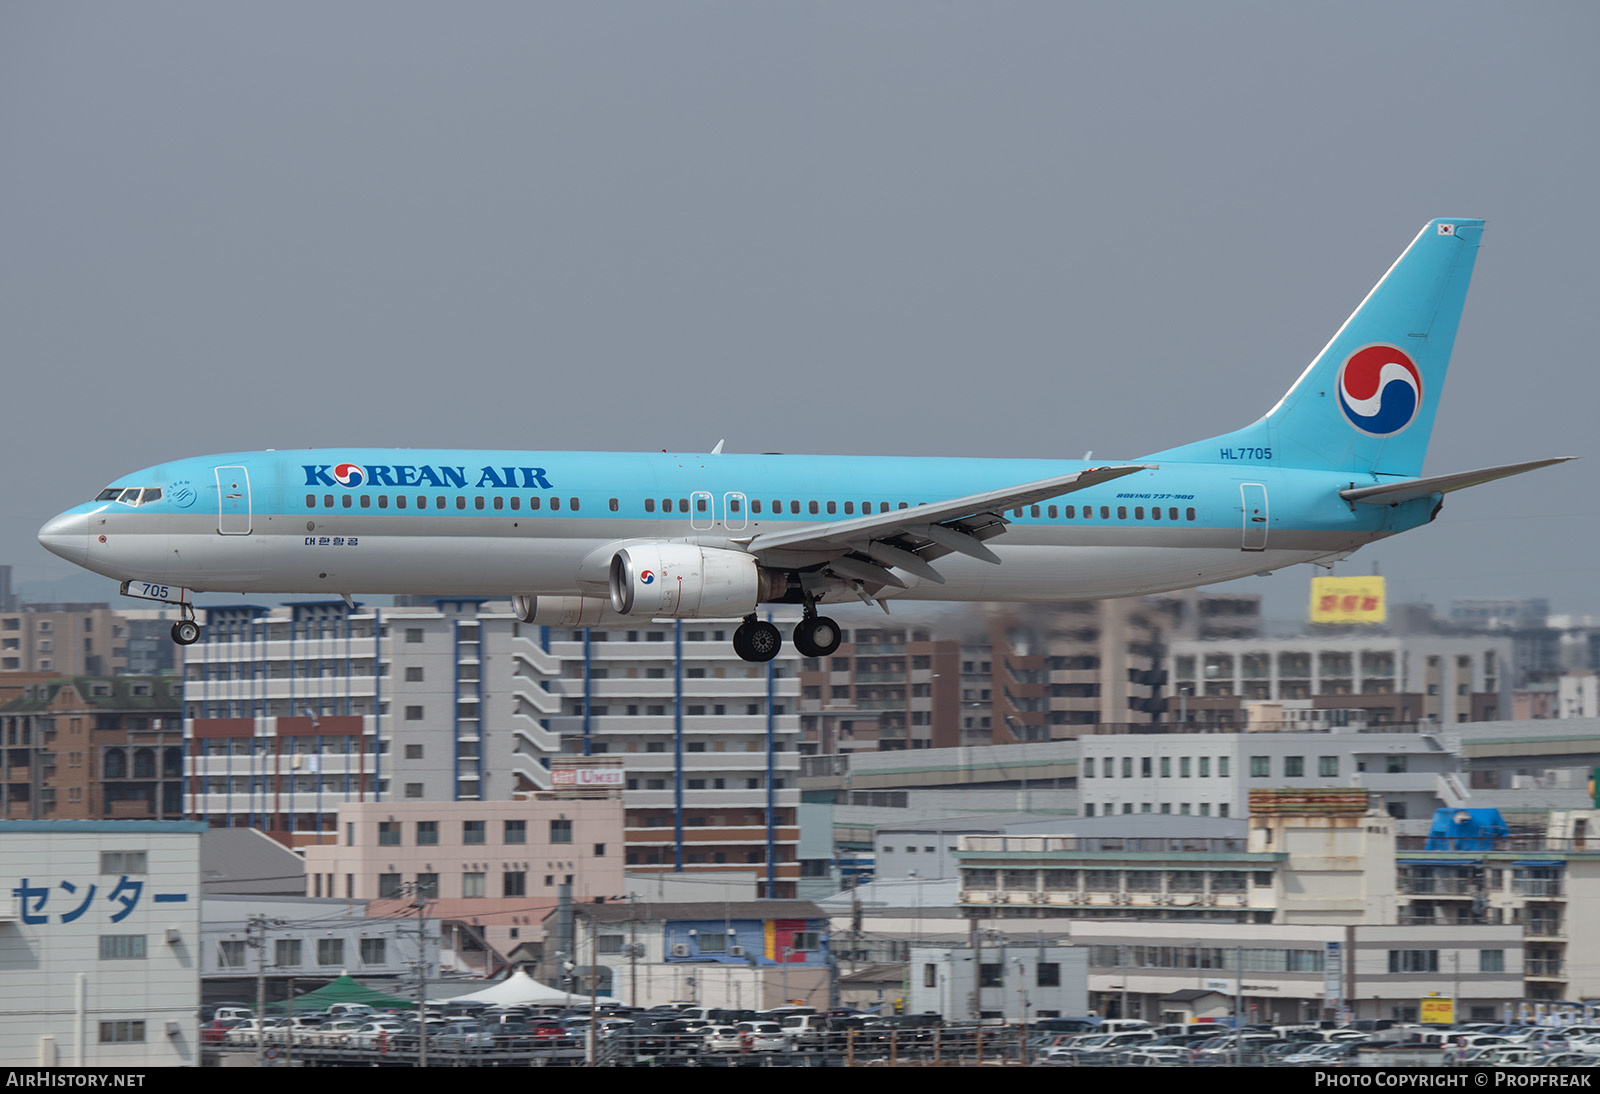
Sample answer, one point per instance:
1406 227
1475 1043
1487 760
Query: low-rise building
740 954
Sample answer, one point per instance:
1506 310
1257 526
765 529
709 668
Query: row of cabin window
702 505
441 502
1070 512
735 505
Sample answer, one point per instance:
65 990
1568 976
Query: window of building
286 952
373 951
413 752
991 975
1413 960
121 1032
1166 767
120 947
1491 961
414 790
1205 767
413 714
514 883
516 831
330 951
1395 765
1127 767
1049 975
1294 767
1183 767
472 884
388 886
1328 766
472 831
124 862
414 674
427 833
560 831
388 833
1260 767
428 886
413 634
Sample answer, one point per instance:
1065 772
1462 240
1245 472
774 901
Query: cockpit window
130 495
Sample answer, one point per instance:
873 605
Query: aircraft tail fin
1366 404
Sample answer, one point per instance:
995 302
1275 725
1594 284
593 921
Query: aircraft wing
909 538
1393 493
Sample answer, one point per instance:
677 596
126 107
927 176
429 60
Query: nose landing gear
186 632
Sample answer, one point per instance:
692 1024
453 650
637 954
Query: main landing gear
814 636
757 640
186 632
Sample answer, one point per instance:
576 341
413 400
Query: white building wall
65 886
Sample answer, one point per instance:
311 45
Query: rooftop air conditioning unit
680 949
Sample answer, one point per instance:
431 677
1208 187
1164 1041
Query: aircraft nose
67 536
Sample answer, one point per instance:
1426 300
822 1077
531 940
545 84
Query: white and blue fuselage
586 537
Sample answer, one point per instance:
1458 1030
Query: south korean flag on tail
1447 229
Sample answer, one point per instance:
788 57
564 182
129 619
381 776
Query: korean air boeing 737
582 538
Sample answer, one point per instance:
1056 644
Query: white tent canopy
517 989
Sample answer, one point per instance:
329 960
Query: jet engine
682 581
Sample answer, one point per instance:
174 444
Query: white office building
100 943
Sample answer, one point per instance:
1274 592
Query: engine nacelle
682 581
564 611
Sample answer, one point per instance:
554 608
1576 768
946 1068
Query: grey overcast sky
1000 229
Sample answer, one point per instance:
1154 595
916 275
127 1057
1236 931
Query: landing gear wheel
817 636
186 632
757 641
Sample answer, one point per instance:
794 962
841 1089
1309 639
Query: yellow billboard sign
1438 1012
1348 600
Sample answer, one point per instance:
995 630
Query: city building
740 954
71 639
308 941
293 711
1213 774
95 747
100 942
489 871
1019 673
1402 680
1537 880
1013 979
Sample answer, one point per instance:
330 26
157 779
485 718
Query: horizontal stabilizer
1393 493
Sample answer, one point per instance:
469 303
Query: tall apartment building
885 688
1008 673
293 711
93 748
70 639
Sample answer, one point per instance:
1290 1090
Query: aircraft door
702 511
1254 495
233 501
734 516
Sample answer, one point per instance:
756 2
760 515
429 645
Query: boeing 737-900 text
583 538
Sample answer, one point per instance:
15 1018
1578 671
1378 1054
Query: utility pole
421 967
256 935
